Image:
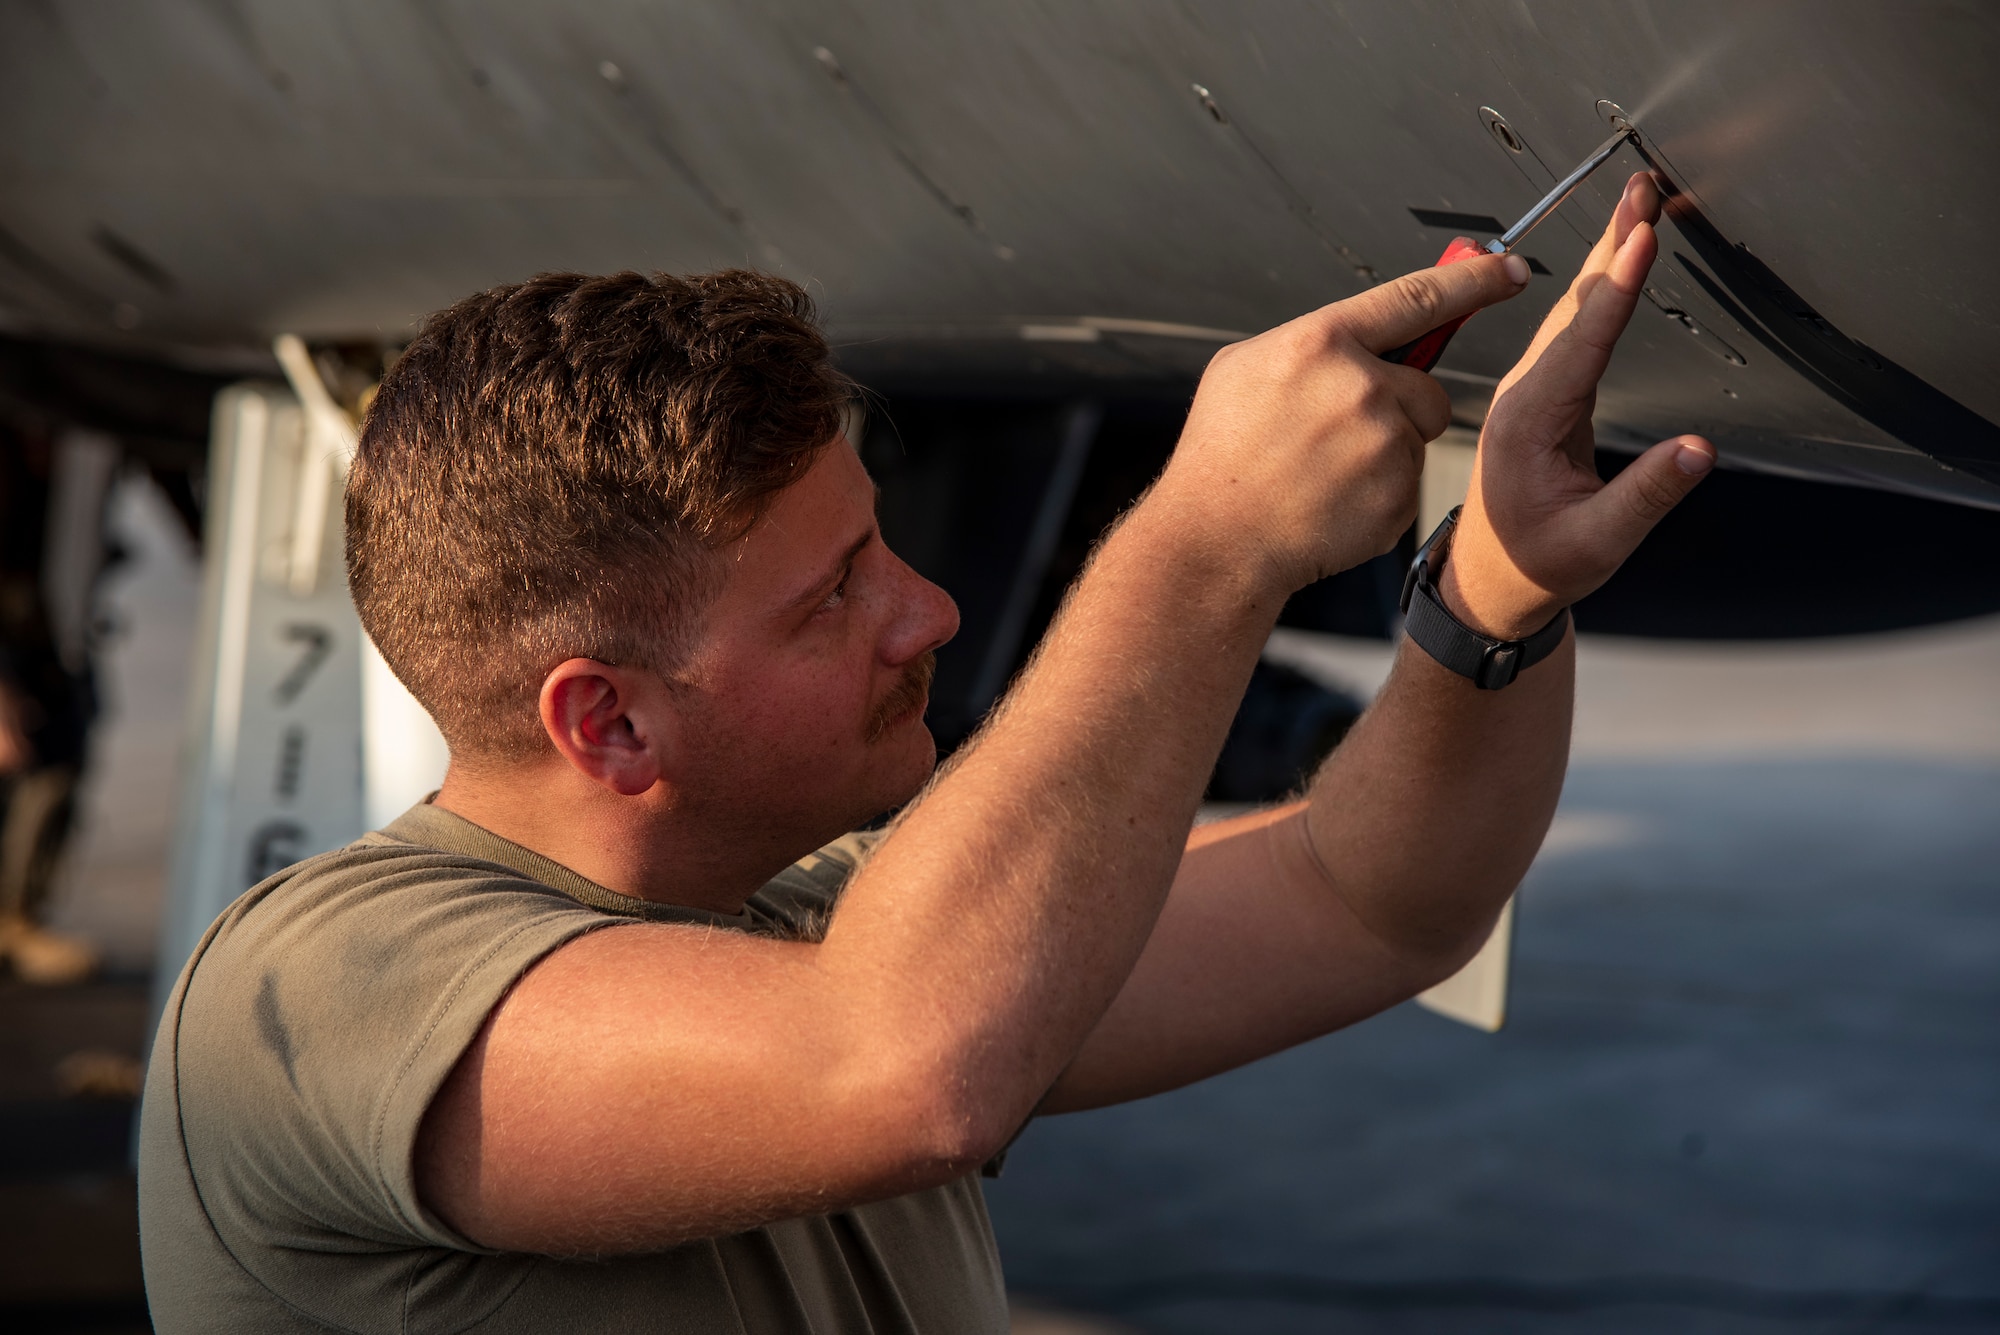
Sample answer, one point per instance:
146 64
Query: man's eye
836 598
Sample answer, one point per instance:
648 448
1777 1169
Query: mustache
909 693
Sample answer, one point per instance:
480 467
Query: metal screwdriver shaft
1423 353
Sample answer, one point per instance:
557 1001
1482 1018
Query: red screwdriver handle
1423 353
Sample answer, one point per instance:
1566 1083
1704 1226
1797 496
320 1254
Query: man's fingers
1570 354
1397 312
1608 302
1424 401
1639 204
1625 509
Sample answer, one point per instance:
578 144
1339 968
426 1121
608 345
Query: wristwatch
1490 663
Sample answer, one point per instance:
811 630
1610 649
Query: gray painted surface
953 179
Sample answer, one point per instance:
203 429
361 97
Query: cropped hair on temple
545 471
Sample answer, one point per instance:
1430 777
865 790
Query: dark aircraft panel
1022 198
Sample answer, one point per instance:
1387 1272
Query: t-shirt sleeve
319 1025
799 901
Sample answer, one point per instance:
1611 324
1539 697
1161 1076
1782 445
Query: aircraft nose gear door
299 739
1476 994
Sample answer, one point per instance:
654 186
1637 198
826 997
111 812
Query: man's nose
926 619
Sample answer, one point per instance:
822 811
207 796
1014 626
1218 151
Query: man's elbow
946 1122
1436 954
950 1145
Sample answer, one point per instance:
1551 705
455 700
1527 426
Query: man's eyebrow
814 591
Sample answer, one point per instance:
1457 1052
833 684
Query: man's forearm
1289 923
1429 813
1006 908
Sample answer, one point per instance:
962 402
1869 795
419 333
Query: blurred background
1749 1077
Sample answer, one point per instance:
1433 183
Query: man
576 1046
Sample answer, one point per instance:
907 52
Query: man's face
806 695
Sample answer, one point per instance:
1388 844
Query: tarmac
1750 1079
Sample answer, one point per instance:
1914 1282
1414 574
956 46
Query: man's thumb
1640 496
1409 307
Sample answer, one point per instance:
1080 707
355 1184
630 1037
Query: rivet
1614 114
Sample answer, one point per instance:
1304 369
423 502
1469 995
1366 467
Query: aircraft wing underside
1023 197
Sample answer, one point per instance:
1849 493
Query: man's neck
648 847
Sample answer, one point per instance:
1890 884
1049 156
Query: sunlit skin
796 718
1039 931
818 628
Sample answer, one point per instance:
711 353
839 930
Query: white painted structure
1476 994
299 738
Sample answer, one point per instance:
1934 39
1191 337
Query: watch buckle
1498 666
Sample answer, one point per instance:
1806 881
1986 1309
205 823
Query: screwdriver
1424 351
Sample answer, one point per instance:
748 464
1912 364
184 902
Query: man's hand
1540 530
1305 445
1285 924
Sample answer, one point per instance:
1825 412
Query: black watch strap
1490 663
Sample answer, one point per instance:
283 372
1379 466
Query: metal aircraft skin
1024 198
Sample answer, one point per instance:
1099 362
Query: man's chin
916 758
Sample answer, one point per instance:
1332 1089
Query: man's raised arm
649 1084
1287 924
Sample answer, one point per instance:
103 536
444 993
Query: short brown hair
543 471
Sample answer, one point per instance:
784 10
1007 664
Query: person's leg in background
41 806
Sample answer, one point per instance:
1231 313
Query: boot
45 958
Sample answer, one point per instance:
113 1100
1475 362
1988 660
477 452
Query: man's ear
608 723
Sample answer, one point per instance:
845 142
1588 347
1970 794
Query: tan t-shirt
311 1030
